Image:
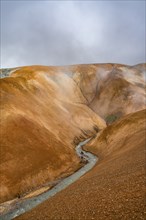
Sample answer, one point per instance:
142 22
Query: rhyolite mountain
46 111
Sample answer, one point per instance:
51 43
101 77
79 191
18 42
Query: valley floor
113 189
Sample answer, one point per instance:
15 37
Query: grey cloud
61 33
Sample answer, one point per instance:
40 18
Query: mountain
112 90
43 116
46 111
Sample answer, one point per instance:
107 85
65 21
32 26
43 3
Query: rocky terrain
46 111
115 187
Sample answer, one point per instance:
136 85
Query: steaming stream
25 204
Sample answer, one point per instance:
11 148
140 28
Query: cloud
69 32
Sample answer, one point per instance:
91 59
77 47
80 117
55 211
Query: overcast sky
71 32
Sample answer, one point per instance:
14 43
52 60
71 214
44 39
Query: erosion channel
23 205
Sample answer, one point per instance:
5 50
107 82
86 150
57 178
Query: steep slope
115 188
112 90
116 137
43 115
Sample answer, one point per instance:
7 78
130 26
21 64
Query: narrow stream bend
27 204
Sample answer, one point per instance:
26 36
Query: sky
72 32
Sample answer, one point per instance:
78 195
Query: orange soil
42 117
115 188
45 111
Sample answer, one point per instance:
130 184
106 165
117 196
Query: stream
23 205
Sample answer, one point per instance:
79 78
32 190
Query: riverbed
23 205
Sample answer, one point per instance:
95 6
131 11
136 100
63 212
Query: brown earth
115 188
45 111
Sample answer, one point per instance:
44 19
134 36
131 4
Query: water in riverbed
27 204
